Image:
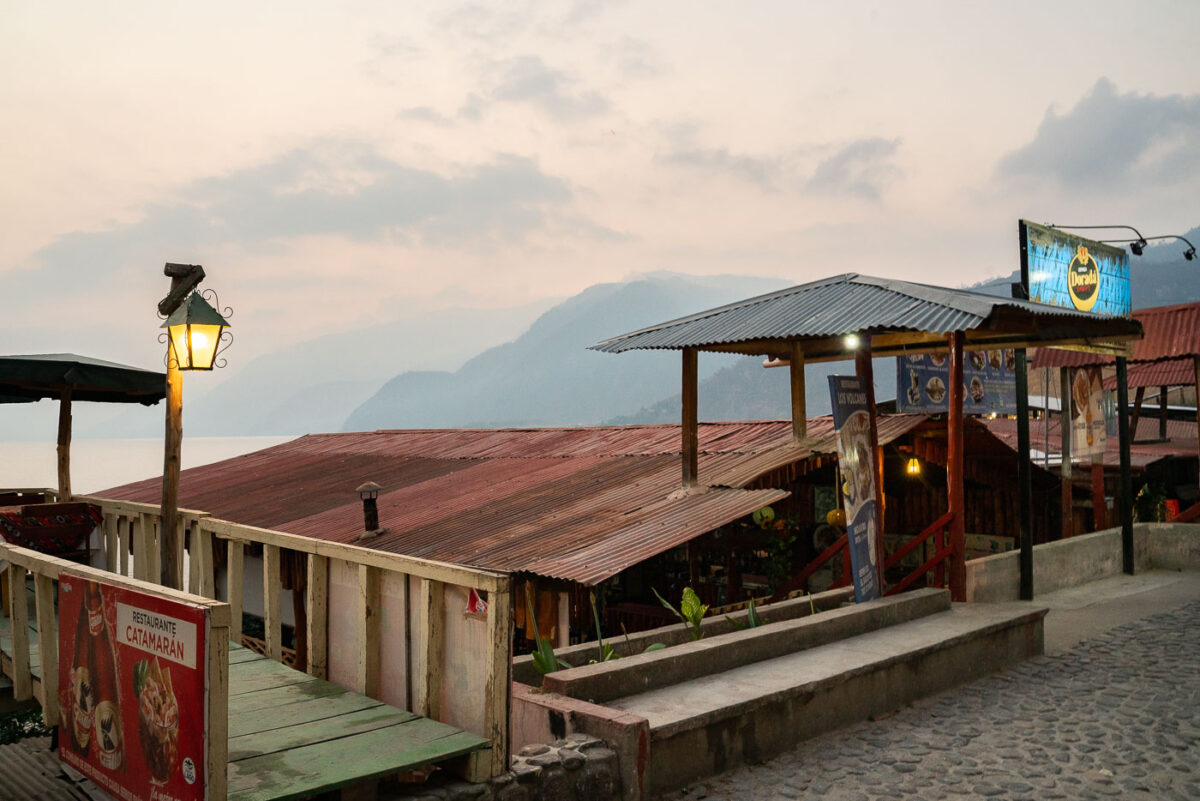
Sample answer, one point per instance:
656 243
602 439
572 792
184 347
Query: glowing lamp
913 468
195 330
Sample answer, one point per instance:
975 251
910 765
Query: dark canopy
24 379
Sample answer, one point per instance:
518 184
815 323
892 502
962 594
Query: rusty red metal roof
1167 373
571 503
1170 332
1181 440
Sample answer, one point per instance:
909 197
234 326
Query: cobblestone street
1117 715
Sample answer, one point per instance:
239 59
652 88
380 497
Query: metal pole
1024 477
1126 477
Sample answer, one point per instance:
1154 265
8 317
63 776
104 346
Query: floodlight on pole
1135 245
1188 254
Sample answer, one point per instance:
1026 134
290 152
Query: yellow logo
1083 279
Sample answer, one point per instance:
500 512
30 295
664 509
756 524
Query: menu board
989 382
132 690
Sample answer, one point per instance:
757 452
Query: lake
98 464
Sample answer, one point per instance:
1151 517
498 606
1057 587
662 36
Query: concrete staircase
745 696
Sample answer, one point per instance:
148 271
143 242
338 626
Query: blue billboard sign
1061 269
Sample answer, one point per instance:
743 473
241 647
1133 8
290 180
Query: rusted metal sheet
1168 373
1181 441
1170 332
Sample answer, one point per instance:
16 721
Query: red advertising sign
132 686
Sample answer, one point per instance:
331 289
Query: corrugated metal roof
30 771
1170 332
571 503
1167 373
1182 441
846 304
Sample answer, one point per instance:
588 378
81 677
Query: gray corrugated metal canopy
899 316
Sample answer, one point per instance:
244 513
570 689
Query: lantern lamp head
195 331
913 468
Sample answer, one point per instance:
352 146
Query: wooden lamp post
194 334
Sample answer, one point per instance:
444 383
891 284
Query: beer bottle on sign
107 731
83 694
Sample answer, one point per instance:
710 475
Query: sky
332 165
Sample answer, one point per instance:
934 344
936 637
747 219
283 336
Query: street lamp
195 330
1188 254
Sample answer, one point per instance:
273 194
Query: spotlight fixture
852 341
1137 246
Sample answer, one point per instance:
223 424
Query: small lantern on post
369 492
195 330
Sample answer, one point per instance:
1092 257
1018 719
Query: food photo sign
856 471
989 382
132 690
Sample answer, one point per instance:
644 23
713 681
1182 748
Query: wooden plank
799 402
422 568
18 607
368 618
47 635
317 601
204 554
690 428
255 703
141 547
217 731
302 710
271 616
496 695
125 534
111 542
331 765
431 646
250 677
233 586
287 738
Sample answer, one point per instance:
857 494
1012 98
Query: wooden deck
292 735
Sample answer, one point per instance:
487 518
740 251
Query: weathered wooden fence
392 627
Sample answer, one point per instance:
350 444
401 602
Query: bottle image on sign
1083 279
106 729
83 695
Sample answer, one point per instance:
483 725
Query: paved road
1116 715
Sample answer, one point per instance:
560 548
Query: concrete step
710 724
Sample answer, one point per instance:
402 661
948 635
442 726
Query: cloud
336 189
528 79
759 171
424 114
861 169
1111 139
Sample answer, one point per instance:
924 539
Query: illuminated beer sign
1065 270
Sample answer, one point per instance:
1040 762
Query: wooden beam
1067 500
954 472
799 409
47 629
1099 501
64 445
233 587
217 724
112 542
690 418
497 694
431 624
368 619
317 591
173 444
271 616
1137 412
1162 413
18 611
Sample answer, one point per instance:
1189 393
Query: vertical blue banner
856 470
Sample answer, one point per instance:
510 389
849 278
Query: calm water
98 464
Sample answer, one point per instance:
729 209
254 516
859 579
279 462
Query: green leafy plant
654 646
752 620
690 610
544 659
606 652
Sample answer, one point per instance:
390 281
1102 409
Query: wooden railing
942 551
383 583
45 571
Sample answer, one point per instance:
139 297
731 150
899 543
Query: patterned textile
51 528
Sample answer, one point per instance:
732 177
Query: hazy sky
335 164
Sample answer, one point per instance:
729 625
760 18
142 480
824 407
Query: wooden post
1137 411
485 764
111 542
233 587
1123 431
47 629
367 681
1162 413
431 623
564 620
64 445
865 370
317 593
203 552
173 444
1099 503
1068 501
271 616
799 407
691 418
220 633
18 610
955 496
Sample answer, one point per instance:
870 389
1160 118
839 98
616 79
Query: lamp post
195 331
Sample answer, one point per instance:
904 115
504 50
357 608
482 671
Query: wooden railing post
272 633
497 691
202 552
233 584
111 542
431 646
18 611
368 631
47 629
220 632
317 590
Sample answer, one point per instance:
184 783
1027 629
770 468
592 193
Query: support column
1024 478
1064 404
172 567
799 408
1099 503
691 418
1126 486
1162 413
64 445
954 472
